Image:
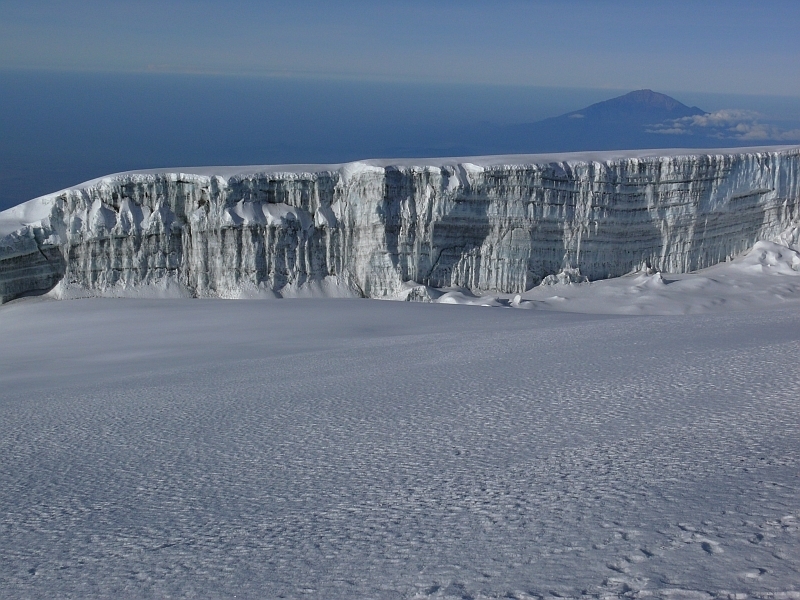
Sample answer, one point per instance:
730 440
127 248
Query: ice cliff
389 228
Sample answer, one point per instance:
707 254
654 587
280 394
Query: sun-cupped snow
346 449
395 228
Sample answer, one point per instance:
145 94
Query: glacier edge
499 224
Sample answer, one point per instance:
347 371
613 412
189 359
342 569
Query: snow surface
365 449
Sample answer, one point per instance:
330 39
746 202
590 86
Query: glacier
396 228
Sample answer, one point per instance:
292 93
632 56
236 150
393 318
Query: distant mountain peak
638 119
651 99
637 105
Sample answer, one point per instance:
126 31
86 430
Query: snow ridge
378 228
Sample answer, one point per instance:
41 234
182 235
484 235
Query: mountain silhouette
641 106
628 121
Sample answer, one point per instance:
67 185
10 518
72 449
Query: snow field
363 449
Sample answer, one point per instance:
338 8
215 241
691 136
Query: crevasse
487 224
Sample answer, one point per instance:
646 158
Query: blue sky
713 46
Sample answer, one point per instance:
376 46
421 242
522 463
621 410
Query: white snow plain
347 448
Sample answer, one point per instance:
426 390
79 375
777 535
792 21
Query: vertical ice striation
491 223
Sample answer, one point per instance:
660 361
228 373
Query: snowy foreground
323 448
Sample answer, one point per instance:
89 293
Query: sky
714 46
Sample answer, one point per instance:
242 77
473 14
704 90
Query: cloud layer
729 123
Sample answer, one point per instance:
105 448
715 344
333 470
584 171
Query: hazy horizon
58 129
731 46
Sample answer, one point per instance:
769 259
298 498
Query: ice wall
492 223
